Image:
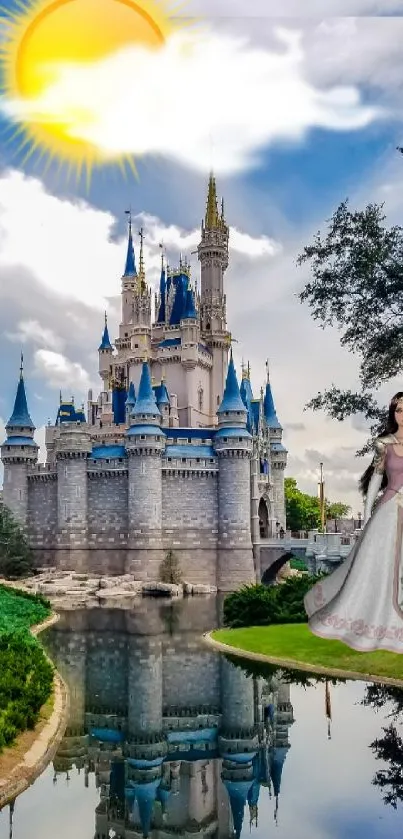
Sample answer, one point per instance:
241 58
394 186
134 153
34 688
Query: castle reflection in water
180 740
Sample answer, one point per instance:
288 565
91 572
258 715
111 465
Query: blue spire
238 795
268 405
130 267
145 795
145 402
181 282
20 417
131 396
277 758
105 343
231 400
163 287
190 309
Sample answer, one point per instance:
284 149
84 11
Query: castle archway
271 572
263 519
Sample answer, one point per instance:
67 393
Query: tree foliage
170 571
303 511
357 286
16 558
259 605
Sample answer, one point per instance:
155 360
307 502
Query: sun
44 34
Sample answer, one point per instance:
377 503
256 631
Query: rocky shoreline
70 589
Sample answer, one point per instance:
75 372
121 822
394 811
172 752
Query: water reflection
168 738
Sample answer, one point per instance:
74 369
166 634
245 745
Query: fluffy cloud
263 98
32 331
292 8
59 371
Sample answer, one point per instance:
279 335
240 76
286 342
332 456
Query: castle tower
105 352
145 443
72 449
233 445
135 328
278 455
19 453
213 257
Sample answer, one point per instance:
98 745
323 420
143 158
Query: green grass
19 611
295 643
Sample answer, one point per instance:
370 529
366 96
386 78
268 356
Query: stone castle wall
79 517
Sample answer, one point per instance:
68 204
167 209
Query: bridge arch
263 519
270 574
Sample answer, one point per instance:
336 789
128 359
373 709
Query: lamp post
322 499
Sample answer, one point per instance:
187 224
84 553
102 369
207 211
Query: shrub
170 571
259 605
16 558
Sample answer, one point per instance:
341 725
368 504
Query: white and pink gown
361 602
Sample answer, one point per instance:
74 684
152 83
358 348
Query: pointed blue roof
181 282
131 396
163 287
146 795
238 795
161 394
247 396
276 761
269 409
145 402
130 267
231 400
20 417
105 343
190 309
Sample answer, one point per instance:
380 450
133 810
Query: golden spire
212 218
249 370
141 264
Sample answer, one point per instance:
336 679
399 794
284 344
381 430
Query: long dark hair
390 427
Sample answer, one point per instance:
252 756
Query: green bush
170 571
16 558
259 605
25 684
25 673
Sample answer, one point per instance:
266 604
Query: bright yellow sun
47 33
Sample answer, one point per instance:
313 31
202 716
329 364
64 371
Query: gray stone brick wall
72 501
106 673
42 513
237 697
15 490
107 511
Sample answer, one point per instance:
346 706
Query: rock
80 577
162 590
201 589
187 588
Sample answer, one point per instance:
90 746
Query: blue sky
62 247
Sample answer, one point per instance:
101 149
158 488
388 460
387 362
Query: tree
303 511
337 510
170 571
16 559
357 285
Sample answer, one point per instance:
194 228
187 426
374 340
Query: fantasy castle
173 454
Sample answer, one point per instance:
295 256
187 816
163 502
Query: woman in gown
361 602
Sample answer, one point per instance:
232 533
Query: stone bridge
322 551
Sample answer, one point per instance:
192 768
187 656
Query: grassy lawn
295 643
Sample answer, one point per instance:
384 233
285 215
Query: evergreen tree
170 571
16 559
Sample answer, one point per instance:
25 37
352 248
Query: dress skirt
361 602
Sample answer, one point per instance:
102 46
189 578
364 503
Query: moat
168 738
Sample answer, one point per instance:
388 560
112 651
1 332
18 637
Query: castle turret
130 402
145 445
233 445
278 454
72 448
105 352
18 453
213 256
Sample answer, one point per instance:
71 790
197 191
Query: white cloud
291 8
32 331
256 96
58 371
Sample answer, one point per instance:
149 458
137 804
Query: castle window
142 436
225 439
169 459
211 460
197 459
183 459
136 346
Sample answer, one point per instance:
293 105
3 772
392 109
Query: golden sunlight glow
44 35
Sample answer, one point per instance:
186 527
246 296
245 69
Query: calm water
167 738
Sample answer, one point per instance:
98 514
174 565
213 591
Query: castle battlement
171 454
